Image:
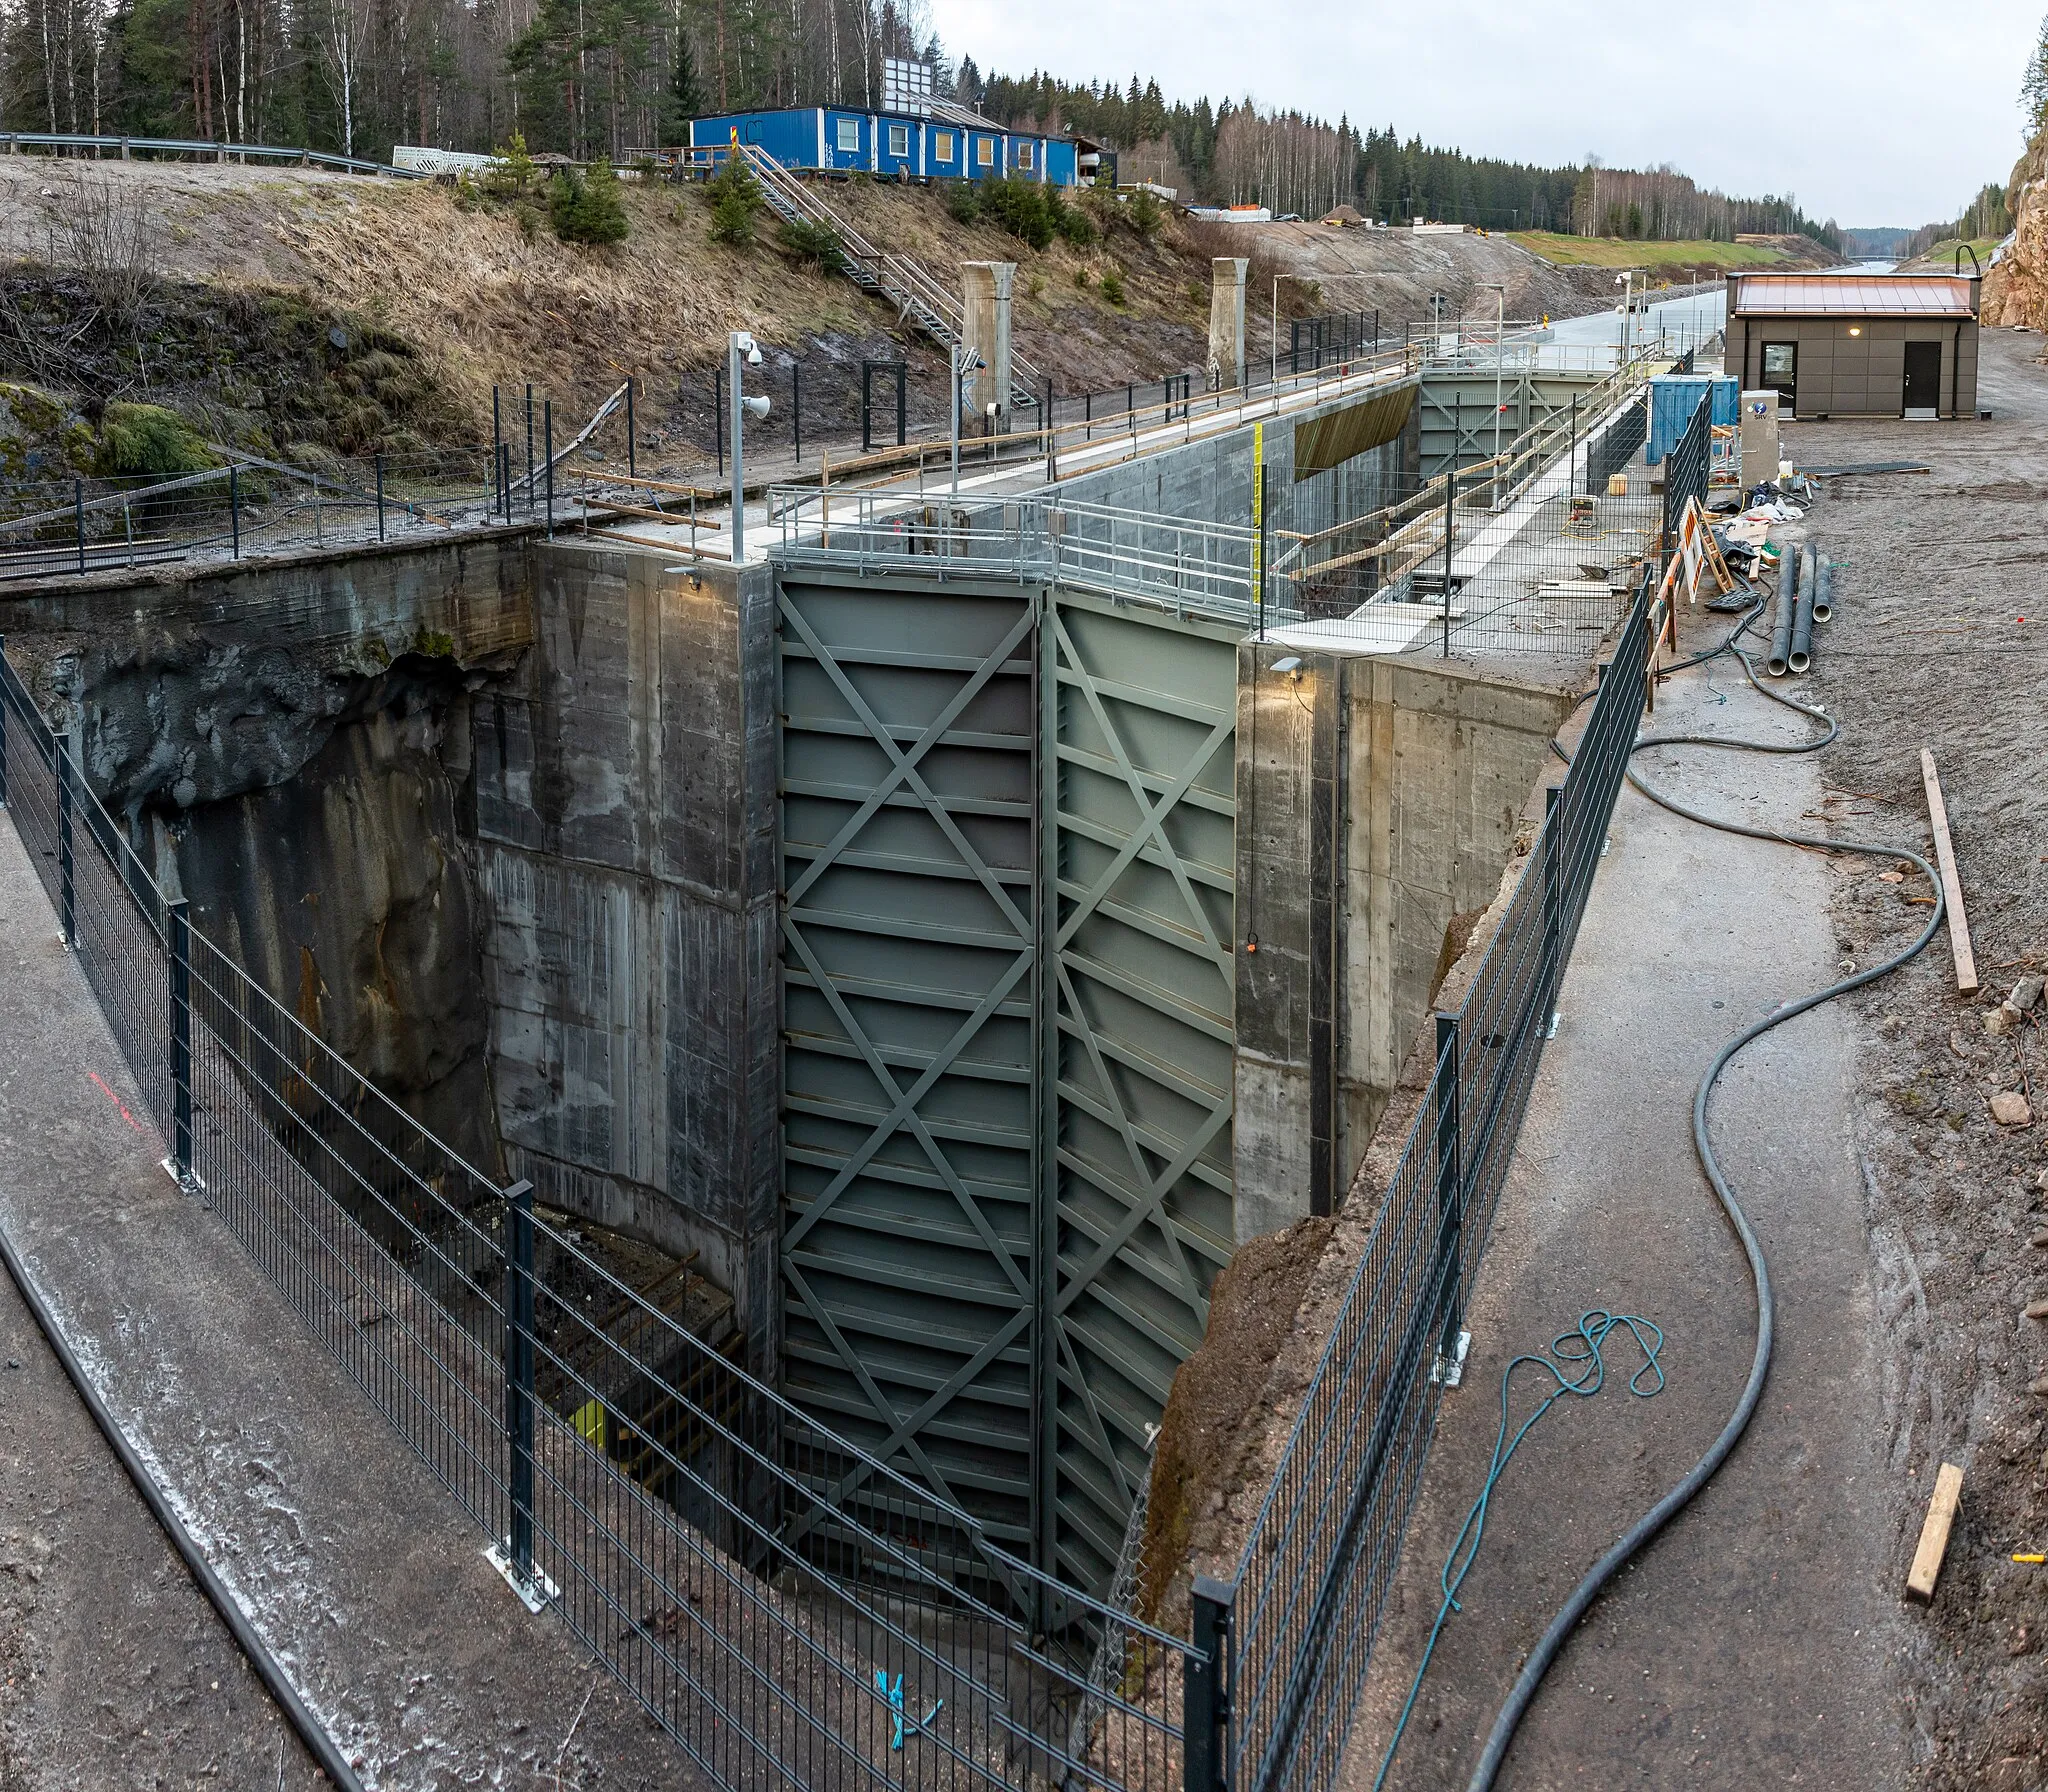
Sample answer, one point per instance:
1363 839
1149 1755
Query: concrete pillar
1378 803
985 327
1226 322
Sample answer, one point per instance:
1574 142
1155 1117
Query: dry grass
495 304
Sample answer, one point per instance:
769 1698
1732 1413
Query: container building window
848 130
942 146
899 139
1023 155
985 151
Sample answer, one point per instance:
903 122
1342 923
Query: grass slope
1628 252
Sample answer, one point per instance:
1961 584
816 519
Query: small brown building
1844 344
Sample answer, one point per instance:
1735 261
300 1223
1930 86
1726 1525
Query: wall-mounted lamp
1855 329
1291 665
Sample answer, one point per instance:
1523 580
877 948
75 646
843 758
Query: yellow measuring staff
2030 1558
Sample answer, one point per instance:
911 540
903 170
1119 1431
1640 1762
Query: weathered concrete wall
625 825
288 743
1377 800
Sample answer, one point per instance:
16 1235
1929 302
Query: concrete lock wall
1211 479
625 825
1377 801
1226 322
985 327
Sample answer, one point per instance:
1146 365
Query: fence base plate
535 1590
192 1185
1450 1364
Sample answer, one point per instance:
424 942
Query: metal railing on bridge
1172 563
791 1610
73 143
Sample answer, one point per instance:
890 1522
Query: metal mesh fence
1299 1622
83 525
789 1609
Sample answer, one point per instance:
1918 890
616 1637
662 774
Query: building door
1923 379
1781 371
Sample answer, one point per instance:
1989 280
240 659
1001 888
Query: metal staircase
918 298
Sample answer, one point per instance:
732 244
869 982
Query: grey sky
1871 111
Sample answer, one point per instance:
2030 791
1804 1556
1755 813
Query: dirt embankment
266 285
1944 573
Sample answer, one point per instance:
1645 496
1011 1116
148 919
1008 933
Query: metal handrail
12 142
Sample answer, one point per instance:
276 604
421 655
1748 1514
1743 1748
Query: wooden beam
1951 882
1941 1514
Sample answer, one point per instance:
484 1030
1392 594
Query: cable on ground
1578 1369
311 1732
1645 1528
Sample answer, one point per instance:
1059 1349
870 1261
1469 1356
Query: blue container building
1675 396
947 143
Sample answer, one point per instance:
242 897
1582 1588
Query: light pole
741 351
1627 282
964 360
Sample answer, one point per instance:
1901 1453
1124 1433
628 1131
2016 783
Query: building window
985 151
942 146
899 139
848 132
1023 155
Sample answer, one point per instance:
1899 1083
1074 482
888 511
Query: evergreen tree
685 95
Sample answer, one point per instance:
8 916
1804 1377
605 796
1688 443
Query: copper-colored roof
1860 295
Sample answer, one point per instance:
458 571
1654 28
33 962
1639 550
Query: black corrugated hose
311 1732
1640 1533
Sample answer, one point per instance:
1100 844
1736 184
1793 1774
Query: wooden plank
1941 1513
1951 883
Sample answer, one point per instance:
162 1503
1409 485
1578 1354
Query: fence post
380 497
78 508
1450 1185
235 511
903 407
718 416
1553 903
60 750
529 449
518 1301
497 442
633 434
178 940
548 452
3 730
1450 532
1205 1693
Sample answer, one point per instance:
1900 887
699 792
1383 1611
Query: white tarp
438 161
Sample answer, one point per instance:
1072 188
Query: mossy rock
41 437
148 439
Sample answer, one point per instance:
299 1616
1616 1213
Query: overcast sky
1872 112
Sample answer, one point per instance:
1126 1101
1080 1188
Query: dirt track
1941 568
